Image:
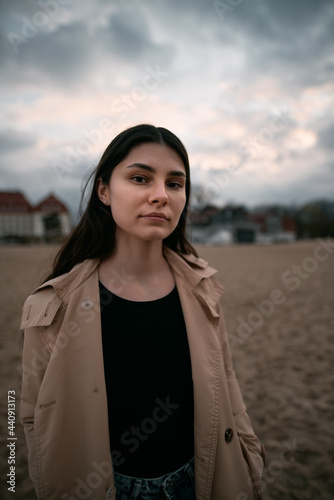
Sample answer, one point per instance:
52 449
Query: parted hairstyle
95 235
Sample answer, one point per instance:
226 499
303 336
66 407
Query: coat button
87 304
228 435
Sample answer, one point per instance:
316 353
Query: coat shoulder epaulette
40 308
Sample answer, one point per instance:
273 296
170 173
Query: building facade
235 224
21 222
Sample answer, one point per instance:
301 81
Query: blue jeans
178 485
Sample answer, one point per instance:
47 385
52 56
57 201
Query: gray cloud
13 140
326 137
292 41
74 51
129 37
87 47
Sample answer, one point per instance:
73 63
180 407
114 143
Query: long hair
95 235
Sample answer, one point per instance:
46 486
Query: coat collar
190 272
65 284
191 269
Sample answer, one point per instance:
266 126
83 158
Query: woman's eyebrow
153 170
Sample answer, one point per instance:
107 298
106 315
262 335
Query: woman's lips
155 216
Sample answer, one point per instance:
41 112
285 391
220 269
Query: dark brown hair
94 236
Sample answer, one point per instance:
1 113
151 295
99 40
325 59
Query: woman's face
146 192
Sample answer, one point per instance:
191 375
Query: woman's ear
103 191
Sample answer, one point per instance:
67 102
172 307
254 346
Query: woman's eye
139 179
175 185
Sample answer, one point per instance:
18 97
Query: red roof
14 202
51 204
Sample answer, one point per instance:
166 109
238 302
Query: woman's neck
137 272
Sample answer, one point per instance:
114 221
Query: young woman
128 386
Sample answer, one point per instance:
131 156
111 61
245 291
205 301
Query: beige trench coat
64 402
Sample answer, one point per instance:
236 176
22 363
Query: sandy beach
279 311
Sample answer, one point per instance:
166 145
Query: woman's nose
159 195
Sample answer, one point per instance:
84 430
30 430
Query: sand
278 307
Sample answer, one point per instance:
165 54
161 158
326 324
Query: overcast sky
247 85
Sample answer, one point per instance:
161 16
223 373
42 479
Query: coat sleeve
38 313
252 449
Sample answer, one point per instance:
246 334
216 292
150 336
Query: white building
49 221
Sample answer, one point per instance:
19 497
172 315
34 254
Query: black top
149 384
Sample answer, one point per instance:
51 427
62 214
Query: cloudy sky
248 86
